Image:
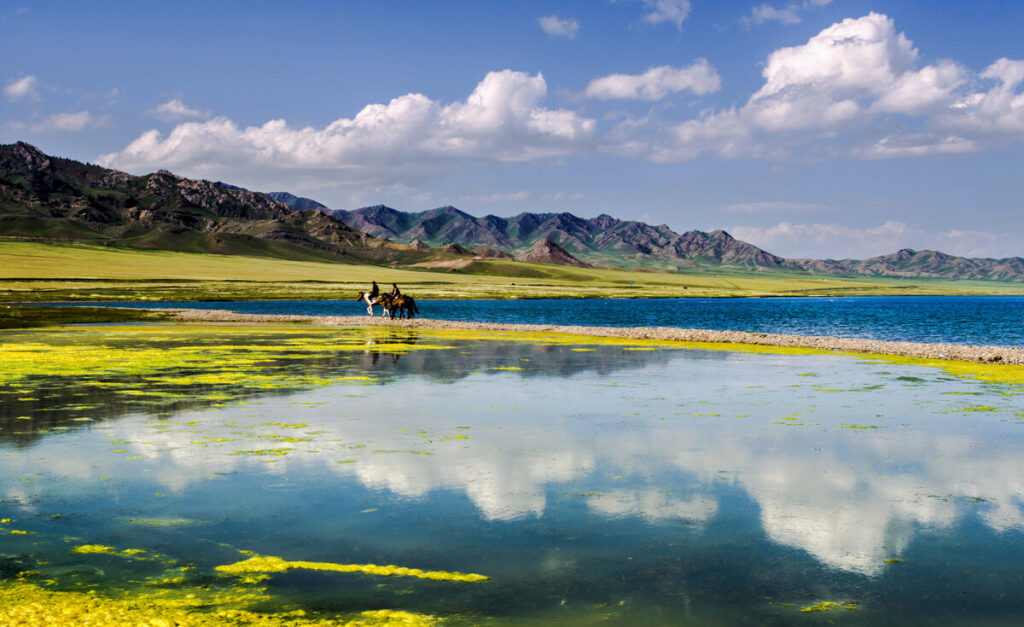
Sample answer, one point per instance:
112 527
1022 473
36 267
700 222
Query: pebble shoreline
952 352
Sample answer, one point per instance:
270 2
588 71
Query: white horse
365 297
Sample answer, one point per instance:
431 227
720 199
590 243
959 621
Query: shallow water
592 483
984 320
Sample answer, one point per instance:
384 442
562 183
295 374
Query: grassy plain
37 272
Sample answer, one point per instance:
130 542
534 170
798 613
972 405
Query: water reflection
855 464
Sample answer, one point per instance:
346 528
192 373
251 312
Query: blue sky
812 128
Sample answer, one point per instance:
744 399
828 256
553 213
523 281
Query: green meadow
41 272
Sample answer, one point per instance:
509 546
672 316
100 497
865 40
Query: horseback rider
374 291
395 291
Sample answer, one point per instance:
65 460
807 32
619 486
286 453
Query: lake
230 471
979 320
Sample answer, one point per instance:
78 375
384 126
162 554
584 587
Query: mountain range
607 241
54 199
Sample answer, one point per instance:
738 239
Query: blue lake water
593 482
984 320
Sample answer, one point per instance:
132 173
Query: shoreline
947 352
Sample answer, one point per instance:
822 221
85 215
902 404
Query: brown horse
387 302
405 306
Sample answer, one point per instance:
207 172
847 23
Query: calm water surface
985 320
609 484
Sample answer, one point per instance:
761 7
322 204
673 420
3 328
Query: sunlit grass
34 272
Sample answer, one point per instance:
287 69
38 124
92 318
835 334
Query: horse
365 297
387 302
405 306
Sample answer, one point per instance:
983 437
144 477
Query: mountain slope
50 198
924 263
603 240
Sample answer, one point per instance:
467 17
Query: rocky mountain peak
34 158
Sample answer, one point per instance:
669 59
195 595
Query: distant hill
922 263
50 198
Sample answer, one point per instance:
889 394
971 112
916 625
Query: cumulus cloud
673 11
824 81
656 83
175 110
68 122
559 27
501 120
994 113
835 241
845 77
23 88
856 88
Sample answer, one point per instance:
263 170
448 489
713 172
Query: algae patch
270 564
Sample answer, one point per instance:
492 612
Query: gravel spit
954 352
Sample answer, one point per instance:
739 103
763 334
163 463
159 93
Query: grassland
37 272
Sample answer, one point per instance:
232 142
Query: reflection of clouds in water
851 498
653 504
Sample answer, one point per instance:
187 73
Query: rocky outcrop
546 251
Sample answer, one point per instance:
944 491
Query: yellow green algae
270 564
828 606
181 596
30 605
106 550
153 348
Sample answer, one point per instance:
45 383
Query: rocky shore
954 352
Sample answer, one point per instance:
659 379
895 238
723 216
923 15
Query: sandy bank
956 352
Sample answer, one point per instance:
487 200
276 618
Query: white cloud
557 196
915 145
23 88
997 112
822 82
777 207
657 83
559 27
490 199
915 92
724 134
767 13
843 79
68 122
835 241
501 120
175 110
789 14
659 11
